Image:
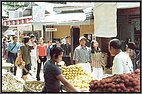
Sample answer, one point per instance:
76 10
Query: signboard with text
51 29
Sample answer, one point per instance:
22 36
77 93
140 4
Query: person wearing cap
67 50
121 62
33 55
130 49
82 55
32 38
12 51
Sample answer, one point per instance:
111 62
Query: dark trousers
12 59
67 61
27 66
42 60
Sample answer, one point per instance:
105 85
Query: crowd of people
37 53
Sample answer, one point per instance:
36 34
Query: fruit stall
129 82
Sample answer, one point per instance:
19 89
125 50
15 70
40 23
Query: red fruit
133 75
109 89
129 74
127 90
109 80
130 83
92 91
119 90
134 83
122 86
98 83
101 86
137 87
95 81
131 79
113 86
132 89
110 84
105 85
126 81
136 91
97 90
114 90
117 85
122 81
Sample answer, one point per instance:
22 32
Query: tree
12 6
15 5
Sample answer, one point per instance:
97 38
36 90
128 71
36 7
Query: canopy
9 32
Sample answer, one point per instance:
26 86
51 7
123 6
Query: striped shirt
82 54
96 60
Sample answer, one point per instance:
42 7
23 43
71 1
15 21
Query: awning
70 17
9 32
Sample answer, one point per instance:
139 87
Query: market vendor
52 74
122 62
82 55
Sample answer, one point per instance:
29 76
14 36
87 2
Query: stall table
7 66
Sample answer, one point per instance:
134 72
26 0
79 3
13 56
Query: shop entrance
75 34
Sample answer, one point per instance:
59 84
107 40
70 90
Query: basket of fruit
128 82
33 86
76 75
70 72
11 84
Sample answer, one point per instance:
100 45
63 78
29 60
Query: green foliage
15 5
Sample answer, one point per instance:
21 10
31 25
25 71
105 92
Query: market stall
11 84
129 82
7 66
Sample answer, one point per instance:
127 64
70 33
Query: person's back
122 64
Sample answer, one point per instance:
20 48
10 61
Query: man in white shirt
122 62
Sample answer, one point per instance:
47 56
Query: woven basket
32 86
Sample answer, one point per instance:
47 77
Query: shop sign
51 29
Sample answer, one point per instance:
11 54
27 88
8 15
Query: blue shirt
15 49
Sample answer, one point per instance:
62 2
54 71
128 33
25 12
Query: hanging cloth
105 20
